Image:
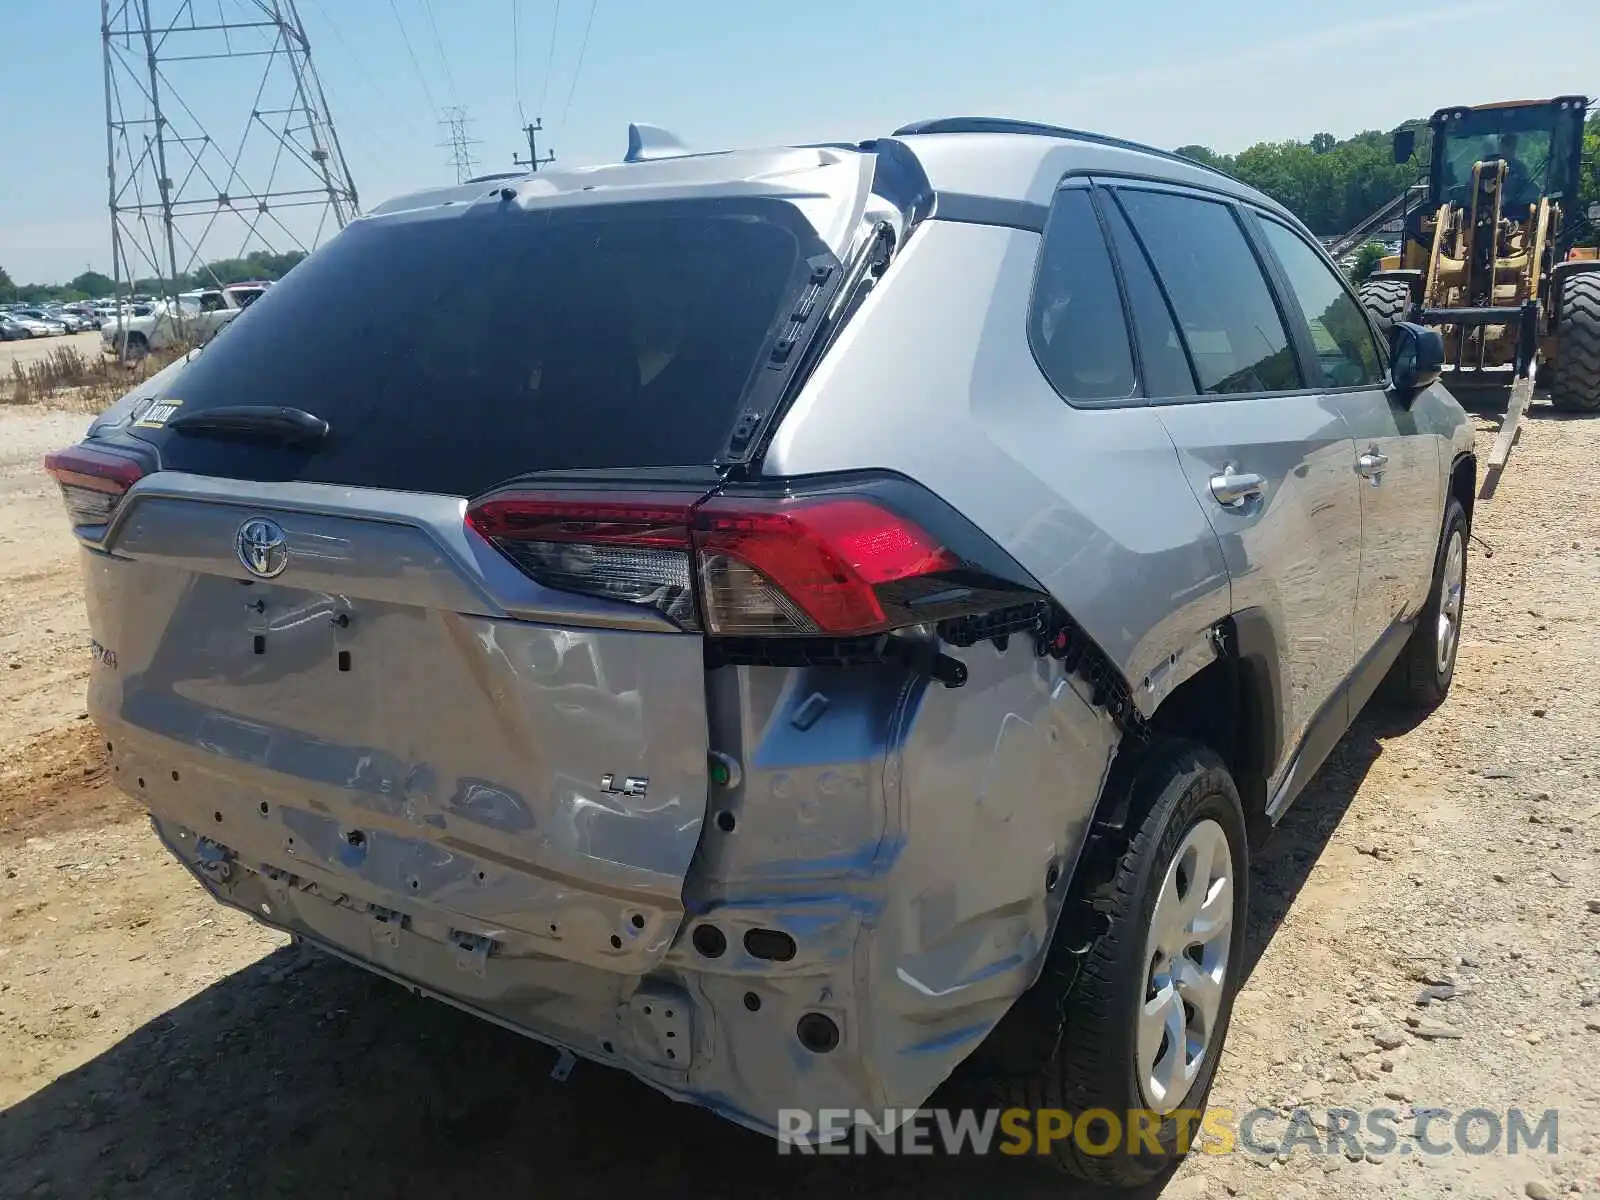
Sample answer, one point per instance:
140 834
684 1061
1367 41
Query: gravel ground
153 1044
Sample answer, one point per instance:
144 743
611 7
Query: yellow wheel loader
1487 251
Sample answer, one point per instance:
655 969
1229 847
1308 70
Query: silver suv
783 622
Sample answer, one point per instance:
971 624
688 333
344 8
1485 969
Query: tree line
92 285
1331 184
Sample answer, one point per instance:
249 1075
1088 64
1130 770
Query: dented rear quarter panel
1092 502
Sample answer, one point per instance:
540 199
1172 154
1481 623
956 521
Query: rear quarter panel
934 379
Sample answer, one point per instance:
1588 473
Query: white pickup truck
193 320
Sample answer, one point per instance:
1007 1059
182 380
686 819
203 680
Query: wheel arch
1463 482
1231 706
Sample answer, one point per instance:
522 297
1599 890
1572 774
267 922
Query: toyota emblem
263 549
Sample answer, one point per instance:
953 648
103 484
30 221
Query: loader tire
1575 374
1386 302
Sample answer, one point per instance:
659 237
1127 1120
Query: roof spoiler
646 142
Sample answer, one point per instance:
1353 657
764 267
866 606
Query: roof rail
493 175
1038 129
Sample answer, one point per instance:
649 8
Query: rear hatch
392 585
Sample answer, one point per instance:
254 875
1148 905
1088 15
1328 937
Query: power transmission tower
533 161
181 198
454 120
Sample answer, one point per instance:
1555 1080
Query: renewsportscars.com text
1353 1133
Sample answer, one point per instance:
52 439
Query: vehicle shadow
302 1076
1280 868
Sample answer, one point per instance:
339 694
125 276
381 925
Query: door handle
1371 465
1233 489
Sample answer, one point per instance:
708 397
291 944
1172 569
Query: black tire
1575 374
136 349
1386 301
1418 680
1071 1042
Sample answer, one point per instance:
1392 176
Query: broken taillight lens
630 548
93 481
838 563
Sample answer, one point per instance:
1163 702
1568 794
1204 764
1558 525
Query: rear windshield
449 352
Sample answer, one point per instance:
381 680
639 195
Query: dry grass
68 378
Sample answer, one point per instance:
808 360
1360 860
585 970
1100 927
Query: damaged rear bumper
873 888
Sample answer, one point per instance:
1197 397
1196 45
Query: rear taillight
631 548
93 481
798 566
840 563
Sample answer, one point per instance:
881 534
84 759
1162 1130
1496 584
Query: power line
438 45
583 46
516 58
550 59
382 93
427 92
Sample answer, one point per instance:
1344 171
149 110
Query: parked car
35 326
785 622
51 327
194 319
12 329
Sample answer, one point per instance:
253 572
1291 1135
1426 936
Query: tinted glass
1339 329
1224 308
451 351
1075 324
1162 362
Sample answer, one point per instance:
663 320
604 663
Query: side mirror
1416 356
1405 145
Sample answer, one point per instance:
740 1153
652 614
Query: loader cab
1541 142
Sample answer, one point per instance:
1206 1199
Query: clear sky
723 73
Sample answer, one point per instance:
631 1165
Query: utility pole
454 121
533 161
183 195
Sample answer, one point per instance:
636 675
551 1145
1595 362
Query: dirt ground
26 350
154 1044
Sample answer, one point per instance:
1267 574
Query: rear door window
1162 360
1075 323
453 349
1340 333
1226 314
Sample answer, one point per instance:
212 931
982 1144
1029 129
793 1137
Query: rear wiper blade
254 422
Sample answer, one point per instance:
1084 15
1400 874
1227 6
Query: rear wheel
1386 300
1421 676
1133 1025
1575 375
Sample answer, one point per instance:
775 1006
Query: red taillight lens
819 565
802 566
92 481
630 548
